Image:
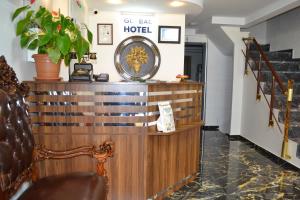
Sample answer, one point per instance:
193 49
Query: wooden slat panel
174 105
106 109
46 86
106 87
90 119
184 113
78 130
85 98
81 86
96 109
171 87
170 97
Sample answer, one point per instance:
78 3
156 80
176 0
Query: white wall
172 55
10 44
218 83
259 31
235 35
283 32
219 88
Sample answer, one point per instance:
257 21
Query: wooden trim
101 153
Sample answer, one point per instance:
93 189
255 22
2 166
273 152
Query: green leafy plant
51 33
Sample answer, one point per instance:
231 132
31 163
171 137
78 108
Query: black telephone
82 72
101 77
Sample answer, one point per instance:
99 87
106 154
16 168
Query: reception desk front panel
146 162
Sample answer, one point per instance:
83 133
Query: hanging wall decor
137 58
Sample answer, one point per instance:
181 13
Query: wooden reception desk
146 163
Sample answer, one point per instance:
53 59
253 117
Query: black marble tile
232 169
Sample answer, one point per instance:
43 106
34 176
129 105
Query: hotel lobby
162 99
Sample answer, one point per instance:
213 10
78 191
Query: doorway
194 66
194 61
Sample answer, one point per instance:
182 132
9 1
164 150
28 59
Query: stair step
294 130
273 56
267 88
282 66
278 65
294 118
265 47
280 102
298 150
294 134
298 141
284 75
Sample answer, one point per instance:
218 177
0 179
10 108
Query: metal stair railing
286 91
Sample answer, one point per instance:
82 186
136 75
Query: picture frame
104 34
169 34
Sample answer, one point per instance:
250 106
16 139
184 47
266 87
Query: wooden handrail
270 66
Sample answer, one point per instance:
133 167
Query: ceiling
199 13
248 12
153 6
228 8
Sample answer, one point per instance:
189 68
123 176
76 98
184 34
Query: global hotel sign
139 24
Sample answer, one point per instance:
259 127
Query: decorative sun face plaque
137 58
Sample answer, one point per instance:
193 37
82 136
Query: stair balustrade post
271 122
258 96
289 99
247 57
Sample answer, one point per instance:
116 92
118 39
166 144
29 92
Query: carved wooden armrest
101 153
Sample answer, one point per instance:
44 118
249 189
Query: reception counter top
146 163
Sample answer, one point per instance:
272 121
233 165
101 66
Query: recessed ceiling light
114 1
176 3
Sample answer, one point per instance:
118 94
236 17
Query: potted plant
54 35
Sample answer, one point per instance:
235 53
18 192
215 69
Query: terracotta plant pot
45 69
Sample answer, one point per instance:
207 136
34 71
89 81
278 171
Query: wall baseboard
210 128
264 152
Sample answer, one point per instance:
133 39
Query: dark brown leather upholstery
76 186
16 140
16 152
9 81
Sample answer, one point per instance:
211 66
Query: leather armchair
18 153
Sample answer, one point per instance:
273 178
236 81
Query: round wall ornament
137 58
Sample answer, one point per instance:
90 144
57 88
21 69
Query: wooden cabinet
146 163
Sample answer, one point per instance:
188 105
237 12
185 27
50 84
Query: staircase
287 68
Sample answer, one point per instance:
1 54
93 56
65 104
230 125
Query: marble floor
237 170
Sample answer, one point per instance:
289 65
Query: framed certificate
104 34
169 34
